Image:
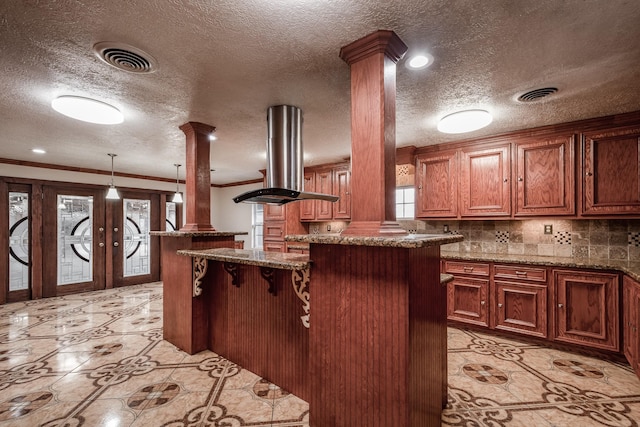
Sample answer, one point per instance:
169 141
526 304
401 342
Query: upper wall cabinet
437 185
342 189
544 177
485 187
610 172
327 179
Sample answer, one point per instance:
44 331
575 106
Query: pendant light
177 198
112 194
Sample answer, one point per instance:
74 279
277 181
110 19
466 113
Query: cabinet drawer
530 274
274 230
469 268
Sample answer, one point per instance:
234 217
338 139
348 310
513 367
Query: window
257 221
405 203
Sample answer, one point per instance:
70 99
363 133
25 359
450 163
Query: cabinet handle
505 180
521 273
520 178
420 187
469 269
346 193
589 174
481 302
499 305
560 305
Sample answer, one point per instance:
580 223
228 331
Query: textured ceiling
224 62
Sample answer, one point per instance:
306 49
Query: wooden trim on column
198 166
372 60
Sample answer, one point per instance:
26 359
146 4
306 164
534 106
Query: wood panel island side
357 328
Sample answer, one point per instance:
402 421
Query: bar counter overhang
357 328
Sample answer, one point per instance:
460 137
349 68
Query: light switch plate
548 229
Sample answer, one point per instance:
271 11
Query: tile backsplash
600 239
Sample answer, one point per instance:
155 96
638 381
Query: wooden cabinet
485 188
611 172
280 220
342 189
468 292
631 322
521 299
544 177
437 185
328 179
585 307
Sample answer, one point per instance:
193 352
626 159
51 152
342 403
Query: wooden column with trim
372 60
198 177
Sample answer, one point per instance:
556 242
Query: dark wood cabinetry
574 306
468 292
342 189
544 177
328 179
280 220
631 322
585 307
521 299
437 185
611 172
485 188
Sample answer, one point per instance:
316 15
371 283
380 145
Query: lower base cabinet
521 308
573 306
631 322
586 309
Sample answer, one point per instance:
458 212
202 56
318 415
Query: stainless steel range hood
285 167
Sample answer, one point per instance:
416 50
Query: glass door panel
136 220
18 241
75 243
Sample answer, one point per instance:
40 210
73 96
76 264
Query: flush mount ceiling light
464 121
112 194
417 62
177 198
87 110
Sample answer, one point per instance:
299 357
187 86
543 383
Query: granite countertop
256 257
405 241
300 246
631 268
212 233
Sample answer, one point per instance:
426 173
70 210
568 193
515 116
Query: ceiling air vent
125 57
536 94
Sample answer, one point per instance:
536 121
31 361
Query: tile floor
98 359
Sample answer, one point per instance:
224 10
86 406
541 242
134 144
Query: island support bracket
300 281
199 271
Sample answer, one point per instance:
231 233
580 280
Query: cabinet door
485 189
437 184
545 177
274 230
629 316
611 172
586 309
308 207
274 212
467 300
521 308
274 246
342 189
324 181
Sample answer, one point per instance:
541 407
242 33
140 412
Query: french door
91 243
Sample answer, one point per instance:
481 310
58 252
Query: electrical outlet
548 229
445 228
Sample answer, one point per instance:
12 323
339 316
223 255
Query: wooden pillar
198 177
372 60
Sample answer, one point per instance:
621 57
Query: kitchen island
357 328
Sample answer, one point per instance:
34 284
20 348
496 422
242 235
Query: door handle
101 244
116 244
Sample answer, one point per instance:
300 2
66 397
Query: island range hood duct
285 167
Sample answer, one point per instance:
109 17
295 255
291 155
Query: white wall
226 215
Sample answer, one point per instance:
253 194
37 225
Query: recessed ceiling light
464 121
38 150
417 62
87 110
